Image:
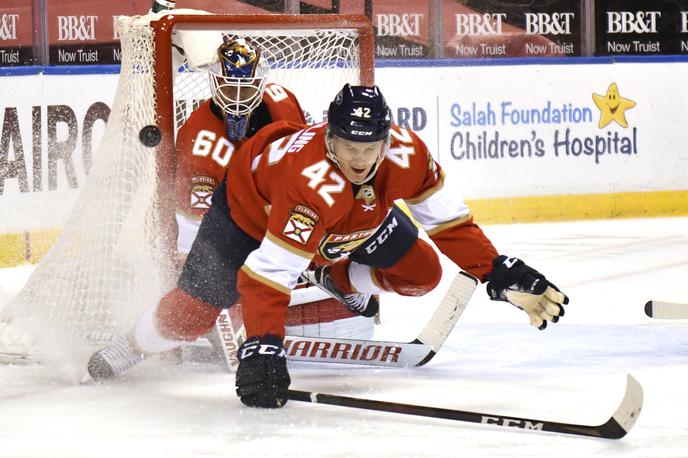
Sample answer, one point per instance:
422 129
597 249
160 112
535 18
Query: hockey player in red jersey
242 103
298 195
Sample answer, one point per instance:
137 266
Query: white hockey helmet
238 79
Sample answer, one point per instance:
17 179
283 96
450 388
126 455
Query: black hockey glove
513 281
262 379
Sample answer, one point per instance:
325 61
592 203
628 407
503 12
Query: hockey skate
363 304
114 359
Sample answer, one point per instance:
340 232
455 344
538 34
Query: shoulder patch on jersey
300 225
306 211
202 188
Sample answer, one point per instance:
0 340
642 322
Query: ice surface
493 362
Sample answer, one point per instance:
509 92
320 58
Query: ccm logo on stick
512 423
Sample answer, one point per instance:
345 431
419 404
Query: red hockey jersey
203 149
284 191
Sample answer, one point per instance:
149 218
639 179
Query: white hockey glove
513 281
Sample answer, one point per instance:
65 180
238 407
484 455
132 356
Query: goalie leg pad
217 254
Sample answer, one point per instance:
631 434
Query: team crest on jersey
366 193
202 188
300 225
337 247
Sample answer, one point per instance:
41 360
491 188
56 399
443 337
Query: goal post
114 256
344 43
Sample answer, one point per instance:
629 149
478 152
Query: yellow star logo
612 106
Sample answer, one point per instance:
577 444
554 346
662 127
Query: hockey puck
150 136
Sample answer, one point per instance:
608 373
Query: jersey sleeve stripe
440 210
277 265
285 245
440 227
261 279
427 194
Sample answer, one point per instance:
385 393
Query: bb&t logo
71 28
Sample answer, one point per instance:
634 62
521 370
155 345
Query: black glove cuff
266 345
503 276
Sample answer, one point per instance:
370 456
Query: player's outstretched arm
514 281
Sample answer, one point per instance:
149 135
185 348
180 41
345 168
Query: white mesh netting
313 64
109 262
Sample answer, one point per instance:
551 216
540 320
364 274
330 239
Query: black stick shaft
610 430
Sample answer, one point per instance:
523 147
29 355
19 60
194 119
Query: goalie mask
237 82
358 131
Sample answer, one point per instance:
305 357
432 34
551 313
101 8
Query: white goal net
113 257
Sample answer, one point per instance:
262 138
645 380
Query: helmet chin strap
333 157
236 126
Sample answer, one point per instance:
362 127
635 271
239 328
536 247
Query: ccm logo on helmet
361 132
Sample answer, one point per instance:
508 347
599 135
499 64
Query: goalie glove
262 379
514 281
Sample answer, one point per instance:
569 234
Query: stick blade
618 425
449 311
627 413
666 310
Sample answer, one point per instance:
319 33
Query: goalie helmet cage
115 256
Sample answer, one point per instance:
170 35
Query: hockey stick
366 352
7 357
395 354
666 310
618 425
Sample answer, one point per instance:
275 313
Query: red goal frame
166 25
